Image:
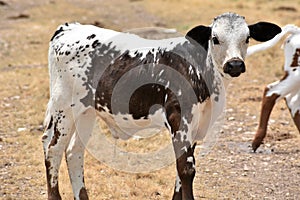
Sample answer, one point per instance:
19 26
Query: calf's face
228 44
227 39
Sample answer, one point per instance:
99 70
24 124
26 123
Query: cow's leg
184 152
293 103
185 164
268 103
177 190
296 119
75 153
273 93
59 129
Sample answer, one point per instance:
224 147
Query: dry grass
222 175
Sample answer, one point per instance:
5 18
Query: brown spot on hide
55 137
295 62
53 191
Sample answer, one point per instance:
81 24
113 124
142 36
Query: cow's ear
200 34
263 31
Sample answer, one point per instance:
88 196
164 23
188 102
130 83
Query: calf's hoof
256 143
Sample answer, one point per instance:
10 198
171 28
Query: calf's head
227 38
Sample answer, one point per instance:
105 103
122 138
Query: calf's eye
215 40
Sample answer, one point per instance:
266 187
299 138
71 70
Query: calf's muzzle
234 67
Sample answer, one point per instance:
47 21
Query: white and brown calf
287 88
176 83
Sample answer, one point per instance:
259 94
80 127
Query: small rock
15 97
284 123
43 192
25 87
231 118
268 145
266 158
156 193
206 170
21 129
269 190
244 174
249 133
230 110
137 137
7 105
39 128
246 168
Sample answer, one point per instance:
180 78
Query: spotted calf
288 88
177 83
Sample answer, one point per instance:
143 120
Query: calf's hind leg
274 92
75 153
55 140
268 103
296 118
293 103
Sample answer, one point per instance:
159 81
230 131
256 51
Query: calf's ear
263 31
199 34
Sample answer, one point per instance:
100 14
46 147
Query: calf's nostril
229 67
236 64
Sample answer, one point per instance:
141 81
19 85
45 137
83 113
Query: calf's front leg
185 164
185 161
293 103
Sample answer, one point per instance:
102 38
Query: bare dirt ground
229 171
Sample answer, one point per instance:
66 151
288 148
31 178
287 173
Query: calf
287 88
177 83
